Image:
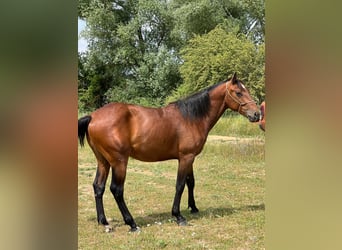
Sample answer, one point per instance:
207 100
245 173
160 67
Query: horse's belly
148 156
154 150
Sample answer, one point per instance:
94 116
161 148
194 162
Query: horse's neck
218 106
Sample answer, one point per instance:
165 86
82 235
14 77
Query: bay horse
262 122
179 130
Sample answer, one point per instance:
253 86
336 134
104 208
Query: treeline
151 52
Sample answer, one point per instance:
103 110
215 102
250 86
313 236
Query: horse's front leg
184 168
190 182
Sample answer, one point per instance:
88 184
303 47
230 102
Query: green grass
236 125
229 192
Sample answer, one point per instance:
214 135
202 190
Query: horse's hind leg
99 188
117 189
190 182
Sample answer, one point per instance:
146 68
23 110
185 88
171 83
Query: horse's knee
98 189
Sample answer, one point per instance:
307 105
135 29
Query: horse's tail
83 128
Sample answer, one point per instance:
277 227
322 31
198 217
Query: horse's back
147 134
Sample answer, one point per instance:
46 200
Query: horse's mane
197 105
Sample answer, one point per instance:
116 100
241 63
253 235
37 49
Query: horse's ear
234 78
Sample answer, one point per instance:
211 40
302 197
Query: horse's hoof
135 230
194 211
182 223
108 228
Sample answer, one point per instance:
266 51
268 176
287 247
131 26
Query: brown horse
262 122
177 131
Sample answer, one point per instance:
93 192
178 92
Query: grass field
229 192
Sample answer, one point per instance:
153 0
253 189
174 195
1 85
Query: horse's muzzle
253 116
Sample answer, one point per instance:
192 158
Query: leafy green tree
155 79
139 50
131 48
93 81
215 56
198 17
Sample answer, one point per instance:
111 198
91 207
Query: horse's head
239 99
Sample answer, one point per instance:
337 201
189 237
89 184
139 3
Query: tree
130 44
93 81
137 49
215 56
198 17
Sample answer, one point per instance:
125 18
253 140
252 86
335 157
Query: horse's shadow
165 217
210 212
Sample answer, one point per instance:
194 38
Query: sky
82 43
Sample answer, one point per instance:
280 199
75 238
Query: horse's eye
239 94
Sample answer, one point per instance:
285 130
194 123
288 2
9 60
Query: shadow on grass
210 212
165 217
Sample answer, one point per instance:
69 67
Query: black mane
196 105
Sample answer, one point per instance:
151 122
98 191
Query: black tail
83 128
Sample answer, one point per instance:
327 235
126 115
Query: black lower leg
117 192
176 202
98 191
190 182
179 218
